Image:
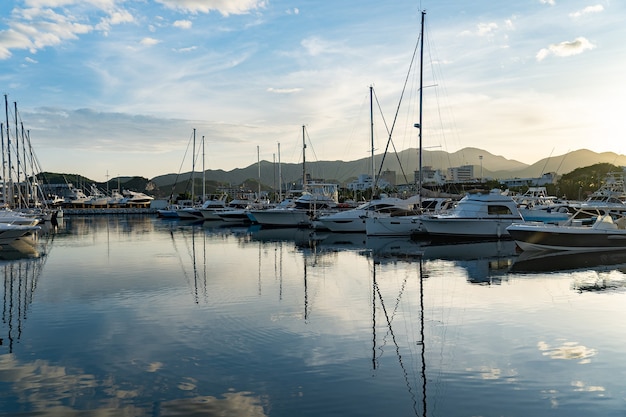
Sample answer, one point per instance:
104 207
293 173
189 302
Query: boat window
429 205
497 209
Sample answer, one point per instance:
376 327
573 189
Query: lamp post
481 167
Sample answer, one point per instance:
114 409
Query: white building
364 182
464 173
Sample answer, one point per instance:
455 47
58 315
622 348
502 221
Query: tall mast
372 139
17 153
258 163
8 150
203 173
303 159
280 177
193 167
419 189
4 168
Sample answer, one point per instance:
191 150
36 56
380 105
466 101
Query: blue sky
115 87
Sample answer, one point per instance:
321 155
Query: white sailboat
316 198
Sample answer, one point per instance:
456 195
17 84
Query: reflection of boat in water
466 251
18 249
398 247
552 261
342 241
482 260
301 237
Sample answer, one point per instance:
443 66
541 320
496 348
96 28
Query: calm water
137 316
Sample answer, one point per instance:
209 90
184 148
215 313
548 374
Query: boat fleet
534 220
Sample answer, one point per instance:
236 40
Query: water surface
139 316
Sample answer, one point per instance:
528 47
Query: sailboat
300 211
354 220
408 222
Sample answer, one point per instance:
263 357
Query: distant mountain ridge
405 162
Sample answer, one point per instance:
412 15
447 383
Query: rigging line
180 259
406 80
543 170
390 140
181 168
562 160
398 354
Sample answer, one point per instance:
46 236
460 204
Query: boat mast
10 193
372 140
258 163
193 168
303 159
4 171
17 153
280 177
419 189
203 173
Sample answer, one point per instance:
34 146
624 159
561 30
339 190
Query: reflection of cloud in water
47 389
568 350
489 373
155 366
581 387
233 404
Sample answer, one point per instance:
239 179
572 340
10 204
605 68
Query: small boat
588 229
10 232
535 205
478 214
354 220
213 205
408 222
135 198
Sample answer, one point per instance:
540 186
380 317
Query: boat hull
468 227
531 237
282 217
393 226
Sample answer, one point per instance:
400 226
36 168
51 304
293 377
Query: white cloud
225 7
149 41
486 28
550 2
284 90
589 9
183 24
575 47
316 46
188 49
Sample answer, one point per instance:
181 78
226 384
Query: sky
108 88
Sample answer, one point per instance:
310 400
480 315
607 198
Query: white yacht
354 220
408 223
478 214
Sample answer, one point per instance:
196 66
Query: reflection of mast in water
194 281
376 294
20 281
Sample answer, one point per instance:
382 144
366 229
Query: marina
131 314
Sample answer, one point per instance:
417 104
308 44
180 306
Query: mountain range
404 163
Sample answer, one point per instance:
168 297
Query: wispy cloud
284 90
182 24
486 28
589 9
225 7
563 49
549 2
149 41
